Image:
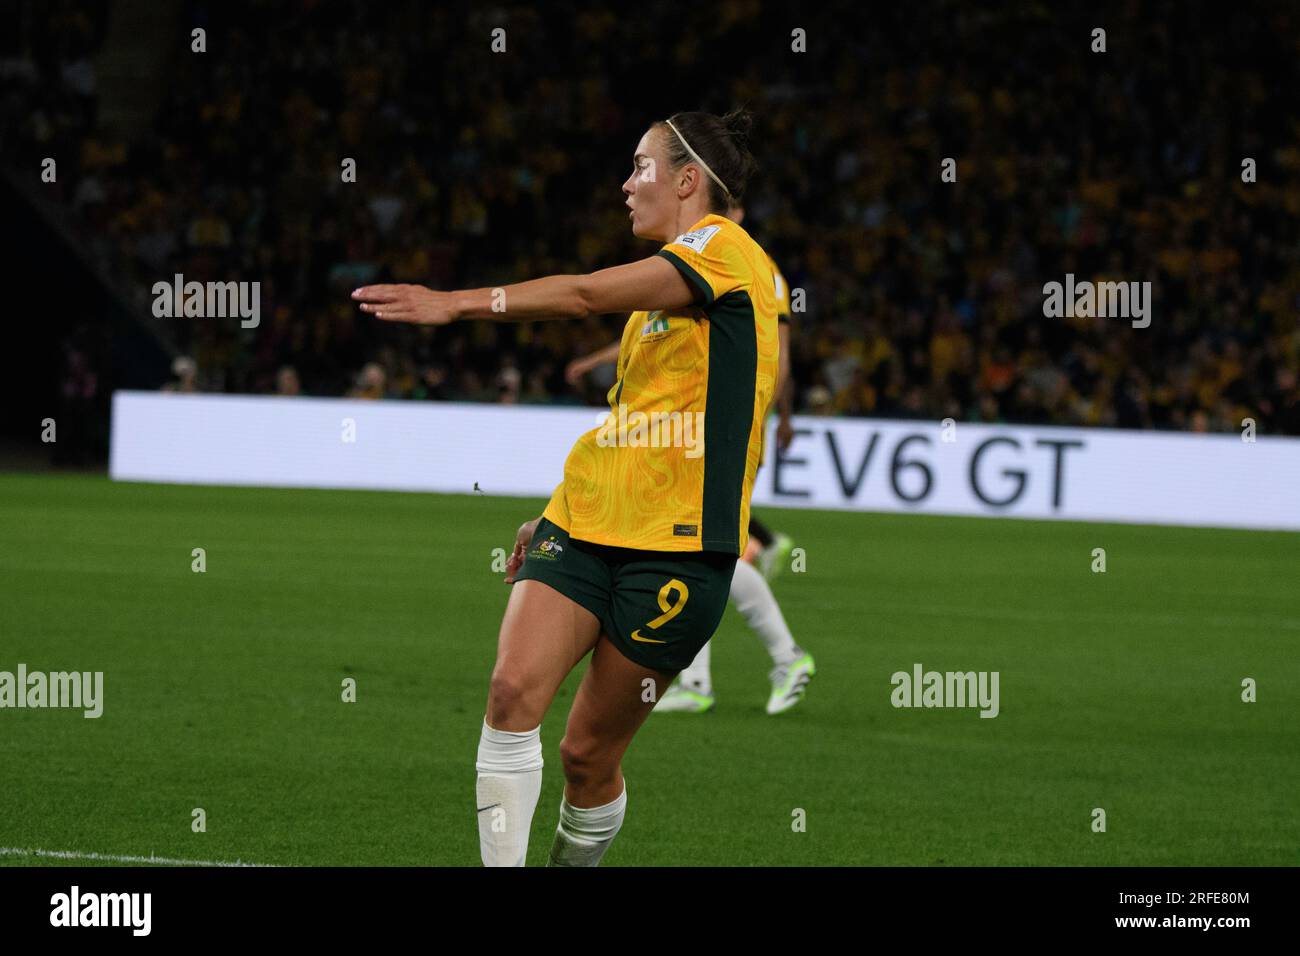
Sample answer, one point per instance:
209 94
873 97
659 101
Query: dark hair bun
739 122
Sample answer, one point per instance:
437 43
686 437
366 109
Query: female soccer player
632 559
792 666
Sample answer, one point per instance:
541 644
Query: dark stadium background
924 297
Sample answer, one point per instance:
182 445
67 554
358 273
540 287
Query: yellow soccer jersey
782 292
672 467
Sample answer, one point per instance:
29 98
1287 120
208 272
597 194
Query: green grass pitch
222 690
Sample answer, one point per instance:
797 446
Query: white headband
696 156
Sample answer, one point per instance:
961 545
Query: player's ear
685 179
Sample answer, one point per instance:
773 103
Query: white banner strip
833 463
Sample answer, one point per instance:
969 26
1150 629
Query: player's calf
594 803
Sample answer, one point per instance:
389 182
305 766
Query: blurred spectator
185 375
370 382
286 381
76 422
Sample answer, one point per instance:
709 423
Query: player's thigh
543 636
613 700
666 607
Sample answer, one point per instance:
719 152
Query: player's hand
784 433
516 560
406 303
574 371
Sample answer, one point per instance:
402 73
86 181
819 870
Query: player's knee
508 698
583 760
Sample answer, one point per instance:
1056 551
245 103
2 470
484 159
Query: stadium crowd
923 298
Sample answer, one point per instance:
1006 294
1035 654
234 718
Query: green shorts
658 607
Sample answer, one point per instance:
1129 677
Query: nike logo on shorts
636 636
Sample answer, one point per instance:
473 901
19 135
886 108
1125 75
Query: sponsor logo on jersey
654 324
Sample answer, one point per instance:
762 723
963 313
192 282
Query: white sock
755 601
584 835
696 677
509 782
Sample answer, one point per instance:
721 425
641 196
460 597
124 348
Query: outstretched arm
784 394
579 367
650 284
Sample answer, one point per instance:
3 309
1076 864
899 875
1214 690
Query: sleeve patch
697 239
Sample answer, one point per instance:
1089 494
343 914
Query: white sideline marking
112 858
